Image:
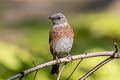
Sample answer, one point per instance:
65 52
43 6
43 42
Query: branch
96 68
75 57
115 55
60 73
74 69
35 72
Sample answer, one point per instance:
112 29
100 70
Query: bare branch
74 69
22 73
60 73
116 47
115 55
36 70
75 57
96 68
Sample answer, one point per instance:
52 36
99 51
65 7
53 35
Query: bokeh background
24 36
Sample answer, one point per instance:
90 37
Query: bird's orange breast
58 32
58 37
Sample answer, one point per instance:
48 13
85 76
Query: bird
60 39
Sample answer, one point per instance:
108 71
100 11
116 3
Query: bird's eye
58 18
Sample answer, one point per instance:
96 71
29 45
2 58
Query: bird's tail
55 69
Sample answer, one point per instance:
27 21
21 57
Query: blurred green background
24 35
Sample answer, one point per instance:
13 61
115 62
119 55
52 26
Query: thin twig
75 57
22 73
96 68
116 47
35 72
116 54
74 69
60 73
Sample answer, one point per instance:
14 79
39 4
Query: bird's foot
57 60
69 57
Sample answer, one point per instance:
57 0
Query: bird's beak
49 18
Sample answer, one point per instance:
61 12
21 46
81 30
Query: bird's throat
61 25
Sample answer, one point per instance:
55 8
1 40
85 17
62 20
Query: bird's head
58 18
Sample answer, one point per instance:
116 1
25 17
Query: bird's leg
57 59
68 55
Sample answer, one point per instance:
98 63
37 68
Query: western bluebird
60 38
